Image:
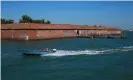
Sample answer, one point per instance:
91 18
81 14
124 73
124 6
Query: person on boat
41 50
46 49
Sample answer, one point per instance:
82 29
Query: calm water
75 59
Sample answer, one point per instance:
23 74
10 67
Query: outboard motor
54 50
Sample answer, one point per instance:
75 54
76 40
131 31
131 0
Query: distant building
32 31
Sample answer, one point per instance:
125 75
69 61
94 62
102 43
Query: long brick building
32 31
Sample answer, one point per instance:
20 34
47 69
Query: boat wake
89 52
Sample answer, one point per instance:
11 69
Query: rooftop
51 26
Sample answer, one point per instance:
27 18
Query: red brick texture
37 33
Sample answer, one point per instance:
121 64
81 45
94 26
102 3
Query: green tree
48 22
10 21
42 21
4 21
36 21
100 26
28 19
20 21
25 19
85 25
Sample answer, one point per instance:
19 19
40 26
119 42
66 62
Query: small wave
128 47
67 53
89 52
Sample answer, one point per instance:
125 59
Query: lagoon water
75 59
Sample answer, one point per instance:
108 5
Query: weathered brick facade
31 31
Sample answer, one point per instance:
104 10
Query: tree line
25 19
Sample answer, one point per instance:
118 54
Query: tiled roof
50 26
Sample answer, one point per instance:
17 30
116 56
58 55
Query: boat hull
34 52
27 54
